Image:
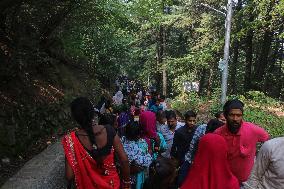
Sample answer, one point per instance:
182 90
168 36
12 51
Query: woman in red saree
89 151
210 169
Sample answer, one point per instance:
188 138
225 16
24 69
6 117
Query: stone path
44 171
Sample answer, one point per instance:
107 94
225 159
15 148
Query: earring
95 146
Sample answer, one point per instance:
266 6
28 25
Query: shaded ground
44 171
7 170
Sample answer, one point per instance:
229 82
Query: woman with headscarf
156 142
89 151
147 121
210 168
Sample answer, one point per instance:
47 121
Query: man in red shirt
241 138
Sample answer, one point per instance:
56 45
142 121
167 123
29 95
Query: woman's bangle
126 181
126 184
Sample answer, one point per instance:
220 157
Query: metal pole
226 51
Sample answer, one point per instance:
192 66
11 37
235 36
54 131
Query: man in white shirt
268 170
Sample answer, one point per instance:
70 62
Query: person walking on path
210 169
168 131
136 149
268 170
215 123
147 122
241 138
162 174
89 151
183 137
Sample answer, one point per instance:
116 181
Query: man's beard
234 127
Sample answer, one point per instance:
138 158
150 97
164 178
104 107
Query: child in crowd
136 149
162 174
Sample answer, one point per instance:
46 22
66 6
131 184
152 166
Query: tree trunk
248 57
159 55
262 63
280 87
202 82
234 66
273 75
209 82
164 71
236 49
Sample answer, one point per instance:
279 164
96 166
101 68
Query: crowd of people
134 140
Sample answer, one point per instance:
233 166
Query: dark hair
171 114
178 113
107 119
159 172
218 114
82 110
132 131
232 104
213 124
161 114
154 100
162 97
108 104
189 113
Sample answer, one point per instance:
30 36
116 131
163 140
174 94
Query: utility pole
223 64
224 84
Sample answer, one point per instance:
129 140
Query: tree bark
248 58
262 63
249 53
159 55
236 49
234 66
209 82
203 83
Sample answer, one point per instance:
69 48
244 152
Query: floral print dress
137 152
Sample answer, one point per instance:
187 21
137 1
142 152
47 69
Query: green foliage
269 121
214 99
34 122
103 39
261 98
186 102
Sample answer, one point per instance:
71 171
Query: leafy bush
261 98
273 124
40 120
187 101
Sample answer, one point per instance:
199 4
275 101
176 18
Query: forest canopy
51 52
